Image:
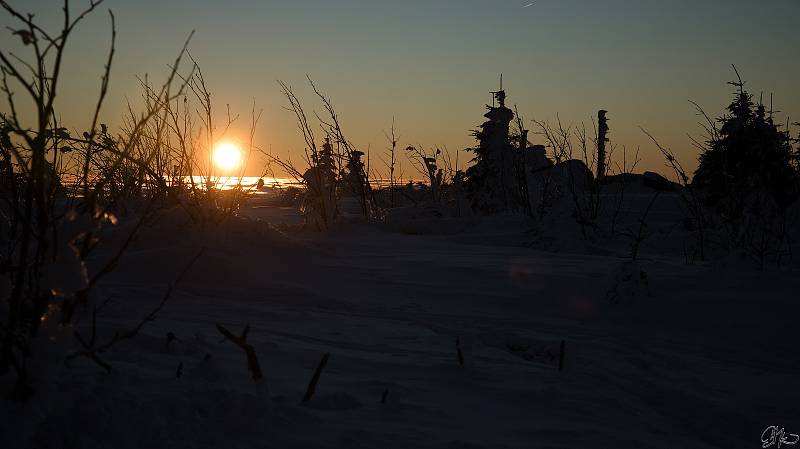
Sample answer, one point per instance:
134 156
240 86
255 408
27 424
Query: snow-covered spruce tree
321 202
749 154
326 162
356 179
490 182
748 174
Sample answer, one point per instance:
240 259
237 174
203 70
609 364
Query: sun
227 156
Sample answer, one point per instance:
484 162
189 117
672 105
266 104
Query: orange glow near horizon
227 156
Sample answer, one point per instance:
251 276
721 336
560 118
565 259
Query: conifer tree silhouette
490 181
747 154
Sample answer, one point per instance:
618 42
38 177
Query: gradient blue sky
431 64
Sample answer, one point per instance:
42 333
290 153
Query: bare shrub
61 192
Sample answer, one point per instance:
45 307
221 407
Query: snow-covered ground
685 356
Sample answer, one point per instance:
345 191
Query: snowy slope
696 356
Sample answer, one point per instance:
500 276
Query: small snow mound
426 219
207 369
336 401
527 348
629 284
459 444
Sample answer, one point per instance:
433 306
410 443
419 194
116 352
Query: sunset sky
431 64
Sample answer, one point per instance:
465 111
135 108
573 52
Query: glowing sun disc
227 156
